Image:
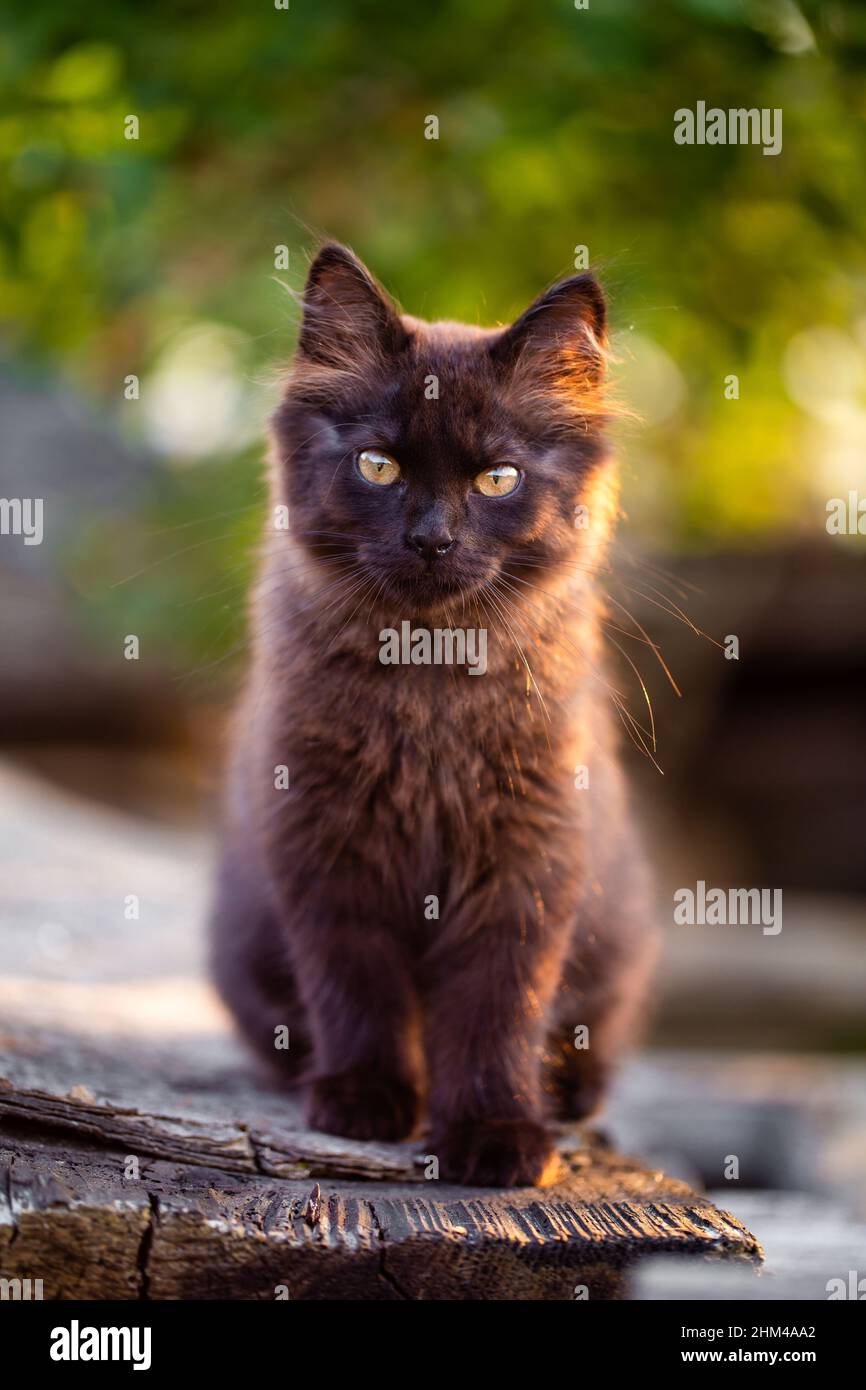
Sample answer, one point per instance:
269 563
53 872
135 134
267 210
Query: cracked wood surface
70 1216
182 1174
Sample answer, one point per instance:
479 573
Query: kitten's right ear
566 326
553 357
347 314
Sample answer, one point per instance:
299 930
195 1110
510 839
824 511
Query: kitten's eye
378 468
498 481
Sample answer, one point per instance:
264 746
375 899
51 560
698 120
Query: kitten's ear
347 315
562 335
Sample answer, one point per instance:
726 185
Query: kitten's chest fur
410 781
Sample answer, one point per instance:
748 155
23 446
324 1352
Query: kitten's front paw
362 1106
494 1153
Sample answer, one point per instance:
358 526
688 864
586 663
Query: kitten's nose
430 544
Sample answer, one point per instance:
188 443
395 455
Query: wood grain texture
231 1196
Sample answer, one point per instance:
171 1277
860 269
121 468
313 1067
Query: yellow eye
498 481
378 468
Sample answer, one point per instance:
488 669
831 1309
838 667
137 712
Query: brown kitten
436 903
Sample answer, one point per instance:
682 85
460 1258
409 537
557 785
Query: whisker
656 650
202 520
675 612
628 719
163 559
242 583
519 650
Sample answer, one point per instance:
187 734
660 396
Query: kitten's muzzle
430 545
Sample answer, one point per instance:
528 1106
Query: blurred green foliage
262 126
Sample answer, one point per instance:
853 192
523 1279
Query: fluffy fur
412 783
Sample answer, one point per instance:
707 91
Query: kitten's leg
359 998
347 1005
251 966
583 1046
599 1003
484 1041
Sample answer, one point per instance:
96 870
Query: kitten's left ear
565 331
347 314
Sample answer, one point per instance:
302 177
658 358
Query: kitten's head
439 456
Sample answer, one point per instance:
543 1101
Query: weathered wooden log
71 1217
146 1176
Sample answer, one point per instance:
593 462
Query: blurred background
146 324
